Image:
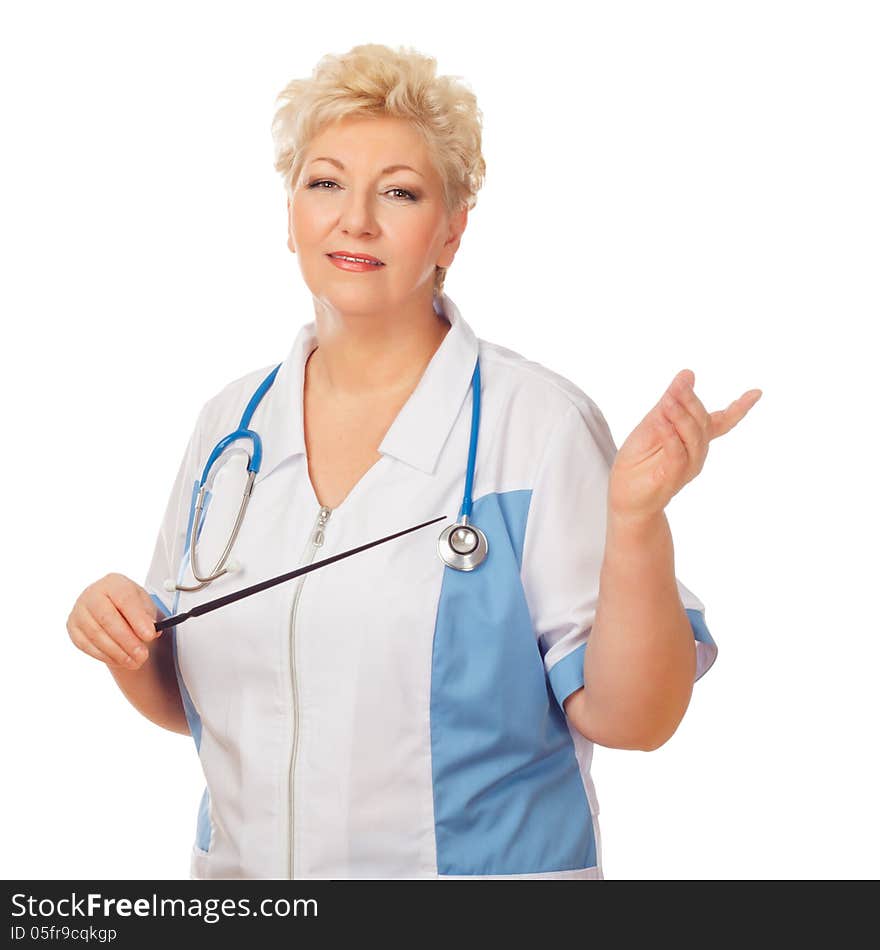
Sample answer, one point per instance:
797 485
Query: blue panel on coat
192 717
508 794
203 825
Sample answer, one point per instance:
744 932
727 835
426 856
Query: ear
290 243
457 224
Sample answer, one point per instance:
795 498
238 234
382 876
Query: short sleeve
173 530
564 546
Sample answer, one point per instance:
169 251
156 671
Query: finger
130 605
673 446
82 642
688 428
684 390
116 627
725 419
101 640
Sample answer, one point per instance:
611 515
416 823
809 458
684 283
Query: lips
363 257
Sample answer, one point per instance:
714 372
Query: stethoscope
461 546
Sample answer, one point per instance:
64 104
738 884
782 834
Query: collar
422 426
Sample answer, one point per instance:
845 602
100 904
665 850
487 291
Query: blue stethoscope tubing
461 546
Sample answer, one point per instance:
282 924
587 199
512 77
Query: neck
367 354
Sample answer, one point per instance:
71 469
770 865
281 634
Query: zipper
315 542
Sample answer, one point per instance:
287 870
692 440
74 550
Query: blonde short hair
375 80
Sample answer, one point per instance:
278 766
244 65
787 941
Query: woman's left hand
668 448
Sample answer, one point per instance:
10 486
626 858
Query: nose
358 214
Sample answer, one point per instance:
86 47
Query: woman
391 715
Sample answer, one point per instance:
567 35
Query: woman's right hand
113 620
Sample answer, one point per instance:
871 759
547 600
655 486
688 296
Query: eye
326 181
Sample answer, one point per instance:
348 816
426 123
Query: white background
669 186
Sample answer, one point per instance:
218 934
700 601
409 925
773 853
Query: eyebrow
385 171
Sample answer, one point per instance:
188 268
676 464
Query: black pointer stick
210 605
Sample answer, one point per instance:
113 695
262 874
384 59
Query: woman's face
346 199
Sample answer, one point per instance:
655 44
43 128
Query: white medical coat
387 716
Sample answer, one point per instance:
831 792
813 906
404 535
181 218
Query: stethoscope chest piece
463 546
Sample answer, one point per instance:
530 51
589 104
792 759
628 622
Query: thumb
152 608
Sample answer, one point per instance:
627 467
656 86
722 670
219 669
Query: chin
353 300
